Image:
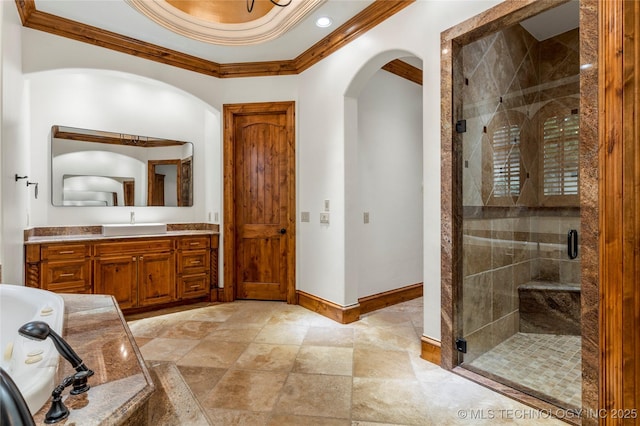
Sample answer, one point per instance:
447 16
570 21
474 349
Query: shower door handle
572 244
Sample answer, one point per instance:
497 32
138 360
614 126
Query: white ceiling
117 16
554 21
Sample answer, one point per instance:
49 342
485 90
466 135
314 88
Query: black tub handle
572 244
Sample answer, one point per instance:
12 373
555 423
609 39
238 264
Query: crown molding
376 13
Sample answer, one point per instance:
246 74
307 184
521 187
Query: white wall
170 173
88 171
326 145
120 103
390 184
325 122
46 52
14 149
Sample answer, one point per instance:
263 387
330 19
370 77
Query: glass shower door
519 307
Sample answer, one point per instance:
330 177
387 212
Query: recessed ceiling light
324 22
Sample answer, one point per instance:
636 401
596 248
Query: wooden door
156 183
185 194
260 201
157 192
129 190
156 278
117 276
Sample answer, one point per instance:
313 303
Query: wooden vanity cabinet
138 274
194 255
141 273
65 268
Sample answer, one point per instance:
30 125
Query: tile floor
267 363
546 363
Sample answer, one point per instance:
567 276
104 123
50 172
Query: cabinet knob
133 258
283 231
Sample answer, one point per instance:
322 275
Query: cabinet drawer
193 286
194 243
193 261
69 277
141 247
64 251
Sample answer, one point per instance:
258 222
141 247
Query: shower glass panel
519 306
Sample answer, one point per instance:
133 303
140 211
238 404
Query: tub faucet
58 410
13 408
39 330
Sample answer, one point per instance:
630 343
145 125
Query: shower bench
549 308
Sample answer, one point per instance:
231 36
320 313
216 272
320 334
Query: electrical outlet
324 218
305 217
216 217
365 217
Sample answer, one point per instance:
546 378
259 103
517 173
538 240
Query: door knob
283 231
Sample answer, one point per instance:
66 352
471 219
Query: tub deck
122 385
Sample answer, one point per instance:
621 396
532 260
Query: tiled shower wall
511 240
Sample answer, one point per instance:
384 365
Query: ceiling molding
98 37
404 70
268 27
376 13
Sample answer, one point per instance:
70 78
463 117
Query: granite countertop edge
101 411
64 233
100 237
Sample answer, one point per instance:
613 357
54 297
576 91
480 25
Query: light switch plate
324 218
305 217
327 205
365 217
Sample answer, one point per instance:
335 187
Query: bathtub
31 364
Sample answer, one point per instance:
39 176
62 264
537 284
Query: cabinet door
156 282
117 276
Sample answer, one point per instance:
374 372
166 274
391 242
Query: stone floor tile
246 390
208 353
260 356
324 360
316 396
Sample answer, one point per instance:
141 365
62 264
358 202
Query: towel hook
36 184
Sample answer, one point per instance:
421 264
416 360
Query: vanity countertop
58 234
100 237
121 386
